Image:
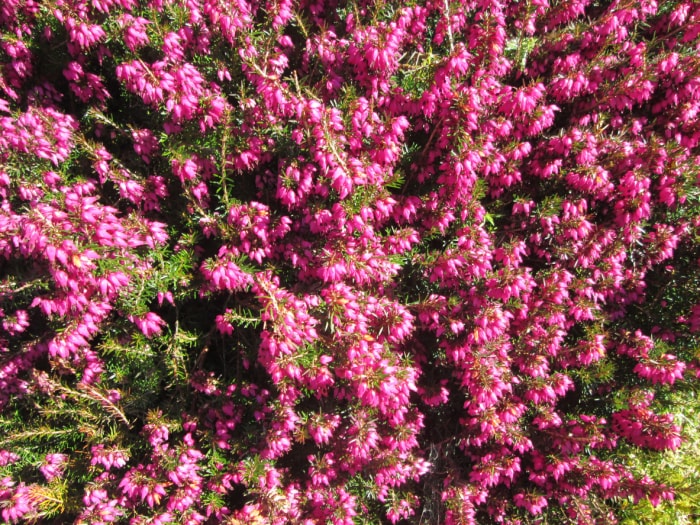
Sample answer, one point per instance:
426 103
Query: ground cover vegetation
349 262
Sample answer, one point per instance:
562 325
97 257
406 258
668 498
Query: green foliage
518 49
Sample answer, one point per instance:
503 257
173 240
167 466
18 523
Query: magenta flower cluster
328 261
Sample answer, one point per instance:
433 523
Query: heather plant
347 262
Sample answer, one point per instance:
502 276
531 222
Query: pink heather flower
94 496
45 132
607 475
322 427
150 324
19 503
657 493
401 510
131 190
200 192
157 434
143 80
637 346
107 512
4 180
16 323
85 85
322 470
157 233
145 143
533 503
223 74
155 191
53 466
277 445
172 47
21 65
109 458
185 171
7 458
642 427
224 327
591 351
214 108
135 33
225 275
84 35
51 178
664 370
110 284
165 296
138 485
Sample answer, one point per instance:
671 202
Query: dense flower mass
344 262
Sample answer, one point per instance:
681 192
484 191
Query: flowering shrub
345 262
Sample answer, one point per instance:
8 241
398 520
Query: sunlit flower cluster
278 262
